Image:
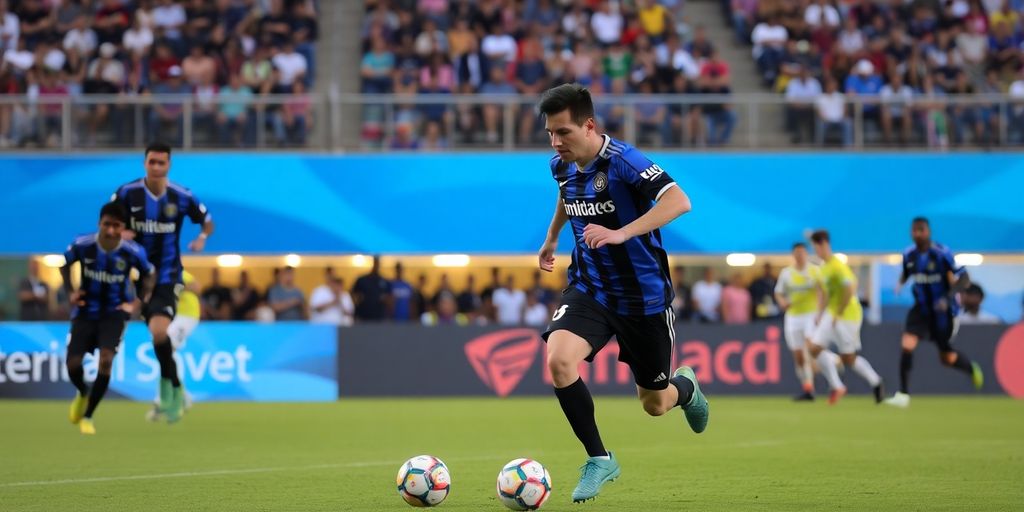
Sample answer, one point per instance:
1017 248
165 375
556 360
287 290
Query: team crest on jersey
600 182
120 264
171 210
931 266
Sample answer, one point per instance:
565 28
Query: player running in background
799 292
157 207
615 200
840 322
102 305
185 321
936 280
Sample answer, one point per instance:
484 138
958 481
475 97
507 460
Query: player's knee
74 362
947 358
562 367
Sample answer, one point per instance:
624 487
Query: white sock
801 372
808 370
864 369
827 365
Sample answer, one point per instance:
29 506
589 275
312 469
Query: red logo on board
502 358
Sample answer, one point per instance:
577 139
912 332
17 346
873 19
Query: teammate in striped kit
799 291
101 306
615 200
937 280
157 207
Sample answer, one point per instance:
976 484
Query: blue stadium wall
501 203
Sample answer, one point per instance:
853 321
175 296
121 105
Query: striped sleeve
644 175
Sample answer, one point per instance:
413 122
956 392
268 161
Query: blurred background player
157 207
102 305
840 322
937 281
185 321
619 281
800 294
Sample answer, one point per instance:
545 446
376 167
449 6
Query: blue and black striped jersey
618 187
927 271
106 275
157 223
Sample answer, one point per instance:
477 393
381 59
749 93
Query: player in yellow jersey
180 329
800 292
840 322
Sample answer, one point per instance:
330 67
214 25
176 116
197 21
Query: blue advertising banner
502 202
285 361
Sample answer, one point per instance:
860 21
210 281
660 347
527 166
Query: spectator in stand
744 14
531 79
244 299
468 301
707 298
851 40
201 24
831 110
821 14
205 108
762 295
377 67
896 98
161 63
769 38
607 23
736 302
10 27
168 20
216 299
497 85
81 37
169 111
291 67
430 39
682 304
52 90
800 95
655 19
372 295
198 67
285 298
700 46
719 117
36 22
447 313
33 296
402 294
499 46
651 116
258 72
330 303
672 55
972 313
966 117
234 124
138 39
509 303
535 313
444 291
1016 117
104 75
420 304
295 117
305 32
865 84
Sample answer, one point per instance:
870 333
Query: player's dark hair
797 245
572 97
158 147
974 289
820 236
115 210
920 219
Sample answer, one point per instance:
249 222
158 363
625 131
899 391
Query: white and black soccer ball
424 481
524 484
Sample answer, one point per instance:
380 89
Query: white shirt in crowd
290 66
500 46
10 29
82 40
813 16
898 97
536 315
680 60
981 317
509 305
1016 92
707 296
170 18
831 107
800 91
607 27
336 314
765 34
138 41
851 41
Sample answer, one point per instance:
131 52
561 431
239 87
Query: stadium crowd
908 55
227 54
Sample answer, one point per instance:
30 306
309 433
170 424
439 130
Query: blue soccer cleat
696 410
593 474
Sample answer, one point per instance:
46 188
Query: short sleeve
780 285
196 210
646 176
120 197
950 261
142 263
70 255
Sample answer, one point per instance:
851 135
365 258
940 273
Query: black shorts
88 335
163 302
941 330
645 341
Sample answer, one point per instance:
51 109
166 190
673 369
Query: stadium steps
745 78
339 58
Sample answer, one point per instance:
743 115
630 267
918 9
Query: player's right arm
546 258
70 256
903 276
780 289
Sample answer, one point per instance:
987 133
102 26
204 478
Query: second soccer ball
524 484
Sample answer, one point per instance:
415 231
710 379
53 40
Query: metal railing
315 122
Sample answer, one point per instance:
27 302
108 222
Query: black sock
168 368
906 363
578 407
685 388
99 388
963 363
77 376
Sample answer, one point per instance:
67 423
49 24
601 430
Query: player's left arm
957 278
670 201
849 290
200 215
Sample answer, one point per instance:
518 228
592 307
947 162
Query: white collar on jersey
100 246
601 153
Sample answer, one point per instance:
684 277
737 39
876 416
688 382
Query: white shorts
180 329
797 329
845 334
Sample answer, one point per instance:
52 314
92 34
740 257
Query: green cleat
977 377
177 408
593 474
696 411
166 395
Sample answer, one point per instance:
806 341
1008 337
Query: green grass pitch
944 453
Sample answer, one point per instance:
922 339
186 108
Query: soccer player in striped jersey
185 321
799 292
937 280
840 323
157 207
614 200
101 306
